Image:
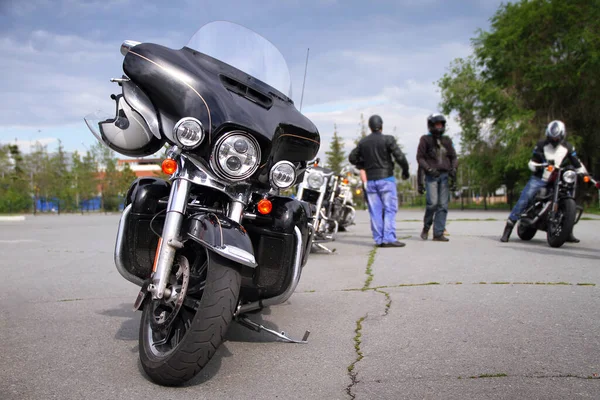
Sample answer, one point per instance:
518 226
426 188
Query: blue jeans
527 195
383 205
437 196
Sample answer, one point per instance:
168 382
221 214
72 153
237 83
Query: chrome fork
170 241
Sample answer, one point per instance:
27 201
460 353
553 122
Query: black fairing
144 194
186 83
217 231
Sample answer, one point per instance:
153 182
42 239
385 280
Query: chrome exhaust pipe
119 249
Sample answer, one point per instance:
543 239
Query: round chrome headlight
569 177
282 175
315 180
188 132
236 156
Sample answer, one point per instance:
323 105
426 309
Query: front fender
220 235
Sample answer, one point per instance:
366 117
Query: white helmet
556 132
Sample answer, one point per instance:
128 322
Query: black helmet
375 123
432 120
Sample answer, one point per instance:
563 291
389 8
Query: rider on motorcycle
553 146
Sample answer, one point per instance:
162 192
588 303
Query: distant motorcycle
554 210
343 209
318 189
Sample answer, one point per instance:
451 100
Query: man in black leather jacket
437 157
376 154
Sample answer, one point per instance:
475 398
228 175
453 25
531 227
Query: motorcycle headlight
282 175
236 156
569 177
315 180
188 132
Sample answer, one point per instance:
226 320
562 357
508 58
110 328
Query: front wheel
559 230
526 232
173 354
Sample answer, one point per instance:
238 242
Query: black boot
507 231
573 239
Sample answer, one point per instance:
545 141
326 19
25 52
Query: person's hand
433 172
452 173
421 190
405 174
453 187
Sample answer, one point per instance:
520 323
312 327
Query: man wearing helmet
437 158
552 147
374 154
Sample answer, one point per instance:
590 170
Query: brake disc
166 317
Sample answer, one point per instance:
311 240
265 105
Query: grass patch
388 299
309 291
500 283
369 270
357 343
501 375
586 284
483 283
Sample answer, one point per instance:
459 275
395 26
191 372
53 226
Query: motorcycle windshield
245 50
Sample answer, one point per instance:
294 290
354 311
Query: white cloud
25 146
54 79
407 122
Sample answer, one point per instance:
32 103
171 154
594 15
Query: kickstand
320 246
245 322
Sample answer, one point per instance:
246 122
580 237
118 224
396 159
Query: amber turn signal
264 206
169 166
586 179
550 168
346 181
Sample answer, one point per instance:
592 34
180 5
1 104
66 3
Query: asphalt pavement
472 318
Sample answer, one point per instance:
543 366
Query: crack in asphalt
352 373
497 376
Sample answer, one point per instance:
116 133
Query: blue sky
365 57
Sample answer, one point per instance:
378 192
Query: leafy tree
538 62
336 156
84 177
14 184
363 129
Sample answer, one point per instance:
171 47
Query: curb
15 218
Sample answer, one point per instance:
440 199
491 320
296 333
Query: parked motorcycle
216 241
343 205
554 210
318 190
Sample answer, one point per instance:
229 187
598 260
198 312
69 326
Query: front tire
526 232
557 235
197 337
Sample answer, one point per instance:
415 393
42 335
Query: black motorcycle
216 241
554 210
318 189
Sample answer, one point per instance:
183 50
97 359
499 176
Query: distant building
142 166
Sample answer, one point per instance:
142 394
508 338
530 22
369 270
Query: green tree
14 183
336 155
84 177
538 62
61 185
548 53
363 129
